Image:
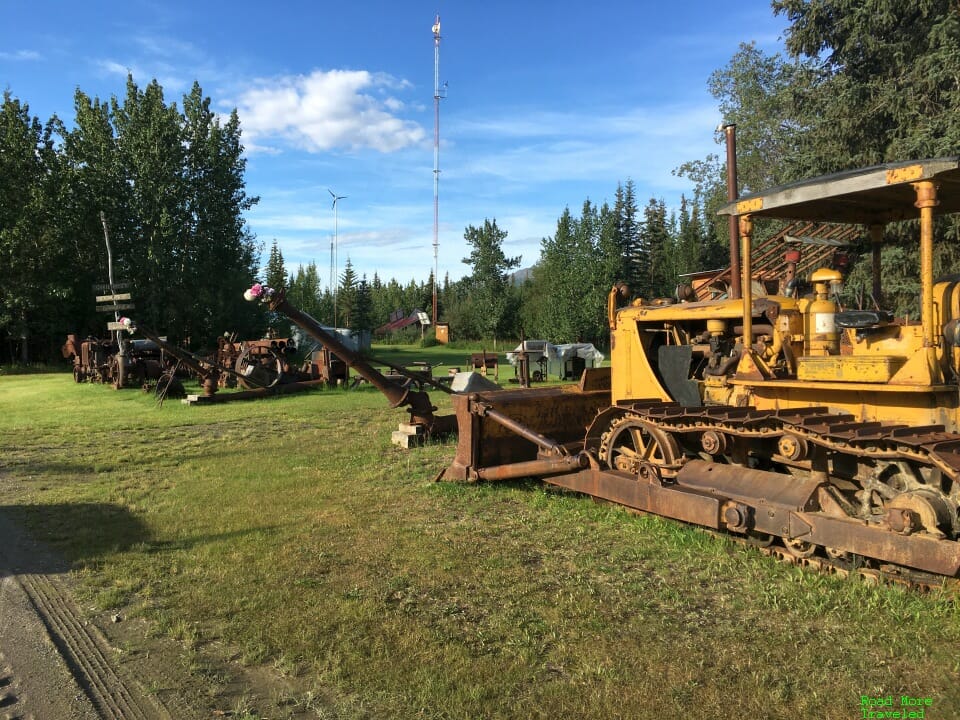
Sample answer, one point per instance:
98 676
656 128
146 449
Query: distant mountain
519 276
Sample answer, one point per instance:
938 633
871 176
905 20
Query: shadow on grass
45 539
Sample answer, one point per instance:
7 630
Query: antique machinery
399 394
323 364
830 435
251 375
98 360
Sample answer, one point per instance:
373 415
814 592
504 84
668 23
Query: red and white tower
437 97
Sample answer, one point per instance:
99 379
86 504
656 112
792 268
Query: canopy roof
869 196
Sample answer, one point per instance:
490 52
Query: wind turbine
336 247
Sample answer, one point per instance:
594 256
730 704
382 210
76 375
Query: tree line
861 82
562 297
169 183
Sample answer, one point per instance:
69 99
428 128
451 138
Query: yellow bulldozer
829 435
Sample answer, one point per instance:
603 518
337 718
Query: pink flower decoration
258 291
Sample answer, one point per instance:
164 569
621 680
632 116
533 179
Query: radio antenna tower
438 94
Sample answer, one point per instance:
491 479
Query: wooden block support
408 438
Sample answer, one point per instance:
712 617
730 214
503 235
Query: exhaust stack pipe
730 131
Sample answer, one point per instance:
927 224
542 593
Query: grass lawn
290 536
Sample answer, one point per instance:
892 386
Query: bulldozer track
915 580
929 445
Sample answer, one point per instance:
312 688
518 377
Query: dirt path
53 663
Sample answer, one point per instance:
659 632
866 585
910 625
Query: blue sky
547 103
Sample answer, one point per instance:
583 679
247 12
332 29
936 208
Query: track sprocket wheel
631 442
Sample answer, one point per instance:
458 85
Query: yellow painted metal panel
904 174
849 368
866 403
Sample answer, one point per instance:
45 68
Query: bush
407 336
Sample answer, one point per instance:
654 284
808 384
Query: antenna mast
437 96
334 251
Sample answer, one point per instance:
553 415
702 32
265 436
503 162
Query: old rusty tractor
132 363
829 435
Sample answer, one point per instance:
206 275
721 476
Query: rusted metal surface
919 551
831 436
733 192
326 366
416 402
208 371
686 504
101 361
257 364
558 414
738 483
545 444
290 387
483 361
802 508
559 465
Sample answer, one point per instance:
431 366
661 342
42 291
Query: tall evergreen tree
363 309
219 245
27 249
347 297
487 282
276 271
656 241
304 290
171 187
627 236
888 79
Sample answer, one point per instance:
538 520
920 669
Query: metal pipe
436 162
746 230
876 236
541 441
535 468
394 393
730 132
418 401
926 202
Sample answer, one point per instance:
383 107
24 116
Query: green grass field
288 534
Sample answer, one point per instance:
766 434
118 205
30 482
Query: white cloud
642 143
115 68
328 110
168 77
22 55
